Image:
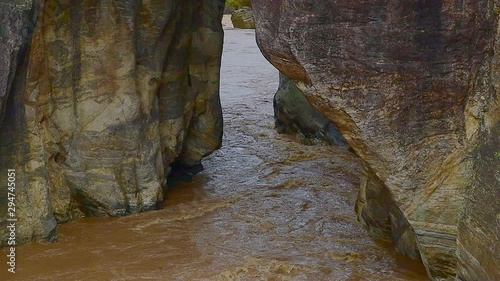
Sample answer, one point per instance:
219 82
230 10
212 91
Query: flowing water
264 208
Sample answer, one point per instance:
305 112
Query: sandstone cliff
412 85
112 93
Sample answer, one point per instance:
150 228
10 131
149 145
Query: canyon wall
109 94
17 21
412 86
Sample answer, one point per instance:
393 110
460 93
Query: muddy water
265 208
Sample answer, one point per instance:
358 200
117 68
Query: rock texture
411 86
114 92
17 20
295 115
479 228
243 18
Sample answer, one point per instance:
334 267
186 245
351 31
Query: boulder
243 18
412 87
294 114
111 95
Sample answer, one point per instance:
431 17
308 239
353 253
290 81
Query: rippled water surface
265 208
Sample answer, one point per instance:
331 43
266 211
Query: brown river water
264 208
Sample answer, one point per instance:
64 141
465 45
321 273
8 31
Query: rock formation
295 115
243 18
479 227
17 19
412 87
112 92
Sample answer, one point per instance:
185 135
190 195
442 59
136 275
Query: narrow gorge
111 115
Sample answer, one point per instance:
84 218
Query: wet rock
243 18
294 114
382 217
410 85
114 93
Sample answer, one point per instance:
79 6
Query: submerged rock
113 93
411 86
294 114
243 18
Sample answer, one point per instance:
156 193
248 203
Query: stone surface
479 227
295 115
114 93
243 18
410 86
17 19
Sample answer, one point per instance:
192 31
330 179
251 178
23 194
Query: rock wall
410 85
17 21
479 227
113 92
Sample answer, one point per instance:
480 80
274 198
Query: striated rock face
243 18
114 92
294 114
411 87
479 228
17 19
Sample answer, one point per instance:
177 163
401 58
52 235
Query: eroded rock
17 20
479 227
32 204
295 115
243 18
114 93
410 86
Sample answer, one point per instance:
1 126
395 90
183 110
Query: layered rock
479 227
114 92
478 231
17 20
410 86
243 18
295 115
